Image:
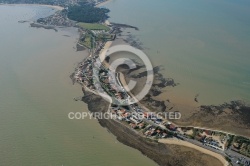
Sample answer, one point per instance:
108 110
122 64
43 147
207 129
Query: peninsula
166 141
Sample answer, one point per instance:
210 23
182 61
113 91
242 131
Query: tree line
87 13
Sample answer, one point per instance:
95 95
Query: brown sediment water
36 95
201 44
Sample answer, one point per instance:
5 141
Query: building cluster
144 122
125 114
94 75
213 139
111 85
156 132
84 73
58 19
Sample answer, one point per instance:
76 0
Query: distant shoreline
50 6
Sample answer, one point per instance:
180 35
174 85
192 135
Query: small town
95 76
125 82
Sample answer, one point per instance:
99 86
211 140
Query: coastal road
234 156
201 144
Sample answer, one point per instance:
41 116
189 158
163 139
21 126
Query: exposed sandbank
190 145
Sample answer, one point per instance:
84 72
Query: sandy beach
187 144
50 6
103 53
103 3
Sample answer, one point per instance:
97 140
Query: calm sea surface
203 44
36 95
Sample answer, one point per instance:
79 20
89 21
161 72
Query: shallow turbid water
203 44
36 95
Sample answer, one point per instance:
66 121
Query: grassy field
93 26
87 41
106 37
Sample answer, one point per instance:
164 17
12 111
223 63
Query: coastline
128 137
50 6
107 45
160 153
131 143
103 3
